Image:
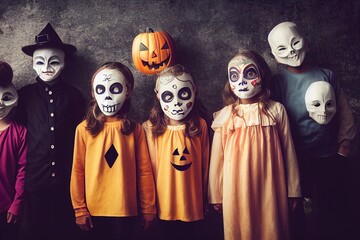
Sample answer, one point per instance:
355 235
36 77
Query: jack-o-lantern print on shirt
181 159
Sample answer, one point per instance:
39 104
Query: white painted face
110 90
48 63
8 100
287 44
244 77
320 102
176 95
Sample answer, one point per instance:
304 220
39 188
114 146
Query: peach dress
253 171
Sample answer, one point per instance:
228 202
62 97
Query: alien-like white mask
48 63
8 100
110 90
287 44
176 95
244 77
320 102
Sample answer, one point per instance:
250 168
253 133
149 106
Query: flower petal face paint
110 90
48 63
176 95
320 102
244 77
287 44
8 100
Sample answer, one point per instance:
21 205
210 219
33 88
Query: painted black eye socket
250 73
116 88
7 97
167 96
329 104
184 93
100 89
166 46
143 47
234 74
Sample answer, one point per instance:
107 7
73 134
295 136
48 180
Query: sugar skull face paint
176 95
110 91
8 100
48 63
287 44
244 77
320 102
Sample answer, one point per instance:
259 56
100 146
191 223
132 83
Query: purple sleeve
16 205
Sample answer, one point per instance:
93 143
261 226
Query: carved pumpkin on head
153 51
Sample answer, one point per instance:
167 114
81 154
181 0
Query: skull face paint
320 102
287 44
48 63
244 77
8 100
176 95
110 91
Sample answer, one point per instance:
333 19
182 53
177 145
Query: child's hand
84 222
217 207
148 220
295 203
11 218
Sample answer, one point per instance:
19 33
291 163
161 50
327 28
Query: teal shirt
289 88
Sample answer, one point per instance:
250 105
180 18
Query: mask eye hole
167 96
317 104
116 88
39 63
234 75
329 104
251 73
55 63
100 89
184 93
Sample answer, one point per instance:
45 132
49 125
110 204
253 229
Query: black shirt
51 114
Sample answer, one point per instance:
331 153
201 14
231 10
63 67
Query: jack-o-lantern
153 51
182 158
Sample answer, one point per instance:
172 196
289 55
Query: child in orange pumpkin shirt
178 141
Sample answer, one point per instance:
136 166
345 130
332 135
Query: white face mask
48 63
8 100
320 102
176 95
244 77
110 90
287 44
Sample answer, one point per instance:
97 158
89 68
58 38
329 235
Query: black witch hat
48 38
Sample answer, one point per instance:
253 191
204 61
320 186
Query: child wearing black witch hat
51 110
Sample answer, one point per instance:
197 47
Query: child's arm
146 184
347 128
16 206
216 169
289 154
77 182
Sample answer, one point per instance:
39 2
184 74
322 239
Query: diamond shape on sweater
111 155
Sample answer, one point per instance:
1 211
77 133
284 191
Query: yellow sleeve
289 154
77 182
145 179
216 168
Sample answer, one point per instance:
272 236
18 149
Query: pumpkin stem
148 30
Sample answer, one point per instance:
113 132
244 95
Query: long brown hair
160 121
265 73
95 118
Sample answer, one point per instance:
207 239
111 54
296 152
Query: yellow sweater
108 169
180 166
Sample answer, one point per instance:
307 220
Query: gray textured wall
207 34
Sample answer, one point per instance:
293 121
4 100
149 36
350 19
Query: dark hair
192 121
265 73
95 118
6 74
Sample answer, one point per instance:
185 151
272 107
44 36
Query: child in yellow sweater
178 141
111 160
